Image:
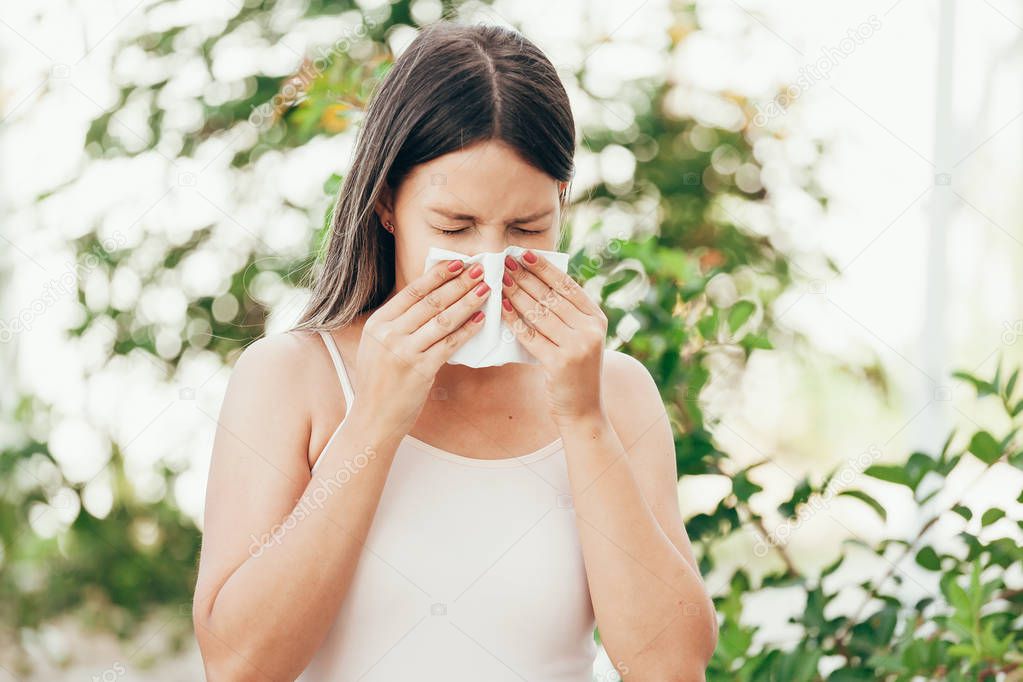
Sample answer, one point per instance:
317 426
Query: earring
389 226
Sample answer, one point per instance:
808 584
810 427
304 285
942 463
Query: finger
535 312
559 281
451 318
545 295
440 299
419 288
441 351
533 341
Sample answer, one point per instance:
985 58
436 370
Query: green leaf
957 597
332 184
948 443
708 325
1019 408
756 341
928 558
888 472
985 447
991 515
917 467
851 675
870 501
735 641
833 566
743 487
964 511
804 665
983 387
1007 441
739 313
800 495
1011 385
1016 459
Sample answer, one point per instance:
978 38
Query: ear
384 206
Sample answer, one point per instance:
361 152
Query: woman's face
482 198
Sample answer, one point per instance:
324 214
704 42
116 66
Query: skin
261 611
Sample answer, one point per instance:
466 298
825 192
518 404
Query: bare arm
655 617
279 546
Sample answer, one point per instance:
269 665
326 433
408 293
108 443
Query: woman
338 545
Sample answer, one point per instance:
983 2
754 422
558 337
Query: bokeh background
803 217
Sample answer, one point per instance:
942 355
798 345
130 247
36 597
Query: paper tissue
494 344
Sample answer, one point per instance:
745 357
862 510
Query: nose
490 241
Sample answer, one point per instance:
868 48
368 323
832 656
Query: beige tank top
472 571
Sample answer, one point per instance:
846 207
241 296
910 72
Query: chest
465 557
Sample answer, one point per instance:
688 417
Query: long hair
453 86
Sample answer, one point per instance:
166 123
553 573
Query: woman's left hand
556 321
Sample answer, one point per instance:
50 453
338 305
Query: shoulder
281 369
282 387
281 359
632 398
628 379
622 367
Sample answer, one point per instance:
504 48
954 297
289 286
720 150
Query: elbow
705 645
692 669
697 674
221 669
712 639
689 662
703 636
222 661
235 659
686 671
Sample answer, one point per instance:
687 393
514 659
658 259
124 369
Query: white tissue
494 344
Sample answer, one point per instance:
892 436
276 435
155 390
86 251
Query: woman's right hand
410 337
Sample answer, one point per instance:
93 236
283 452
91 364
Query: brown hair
455 85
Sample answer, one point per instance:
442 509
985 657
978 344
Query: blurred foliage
967 628
139 558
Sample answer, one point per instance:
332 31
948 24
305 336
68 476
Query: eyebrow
455 215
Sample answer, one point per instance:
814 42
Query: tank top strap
339 366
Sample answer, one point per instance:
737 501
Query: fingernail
529 256
507 280
510 263
477 316
476 271
455 265
507 304
482 289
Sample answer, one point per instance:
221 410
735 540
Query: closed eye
449 233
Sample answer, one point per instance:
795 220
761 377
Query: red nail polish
476 271
529 256
482 289
507 304
477 316
510 263
455 265
507 280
